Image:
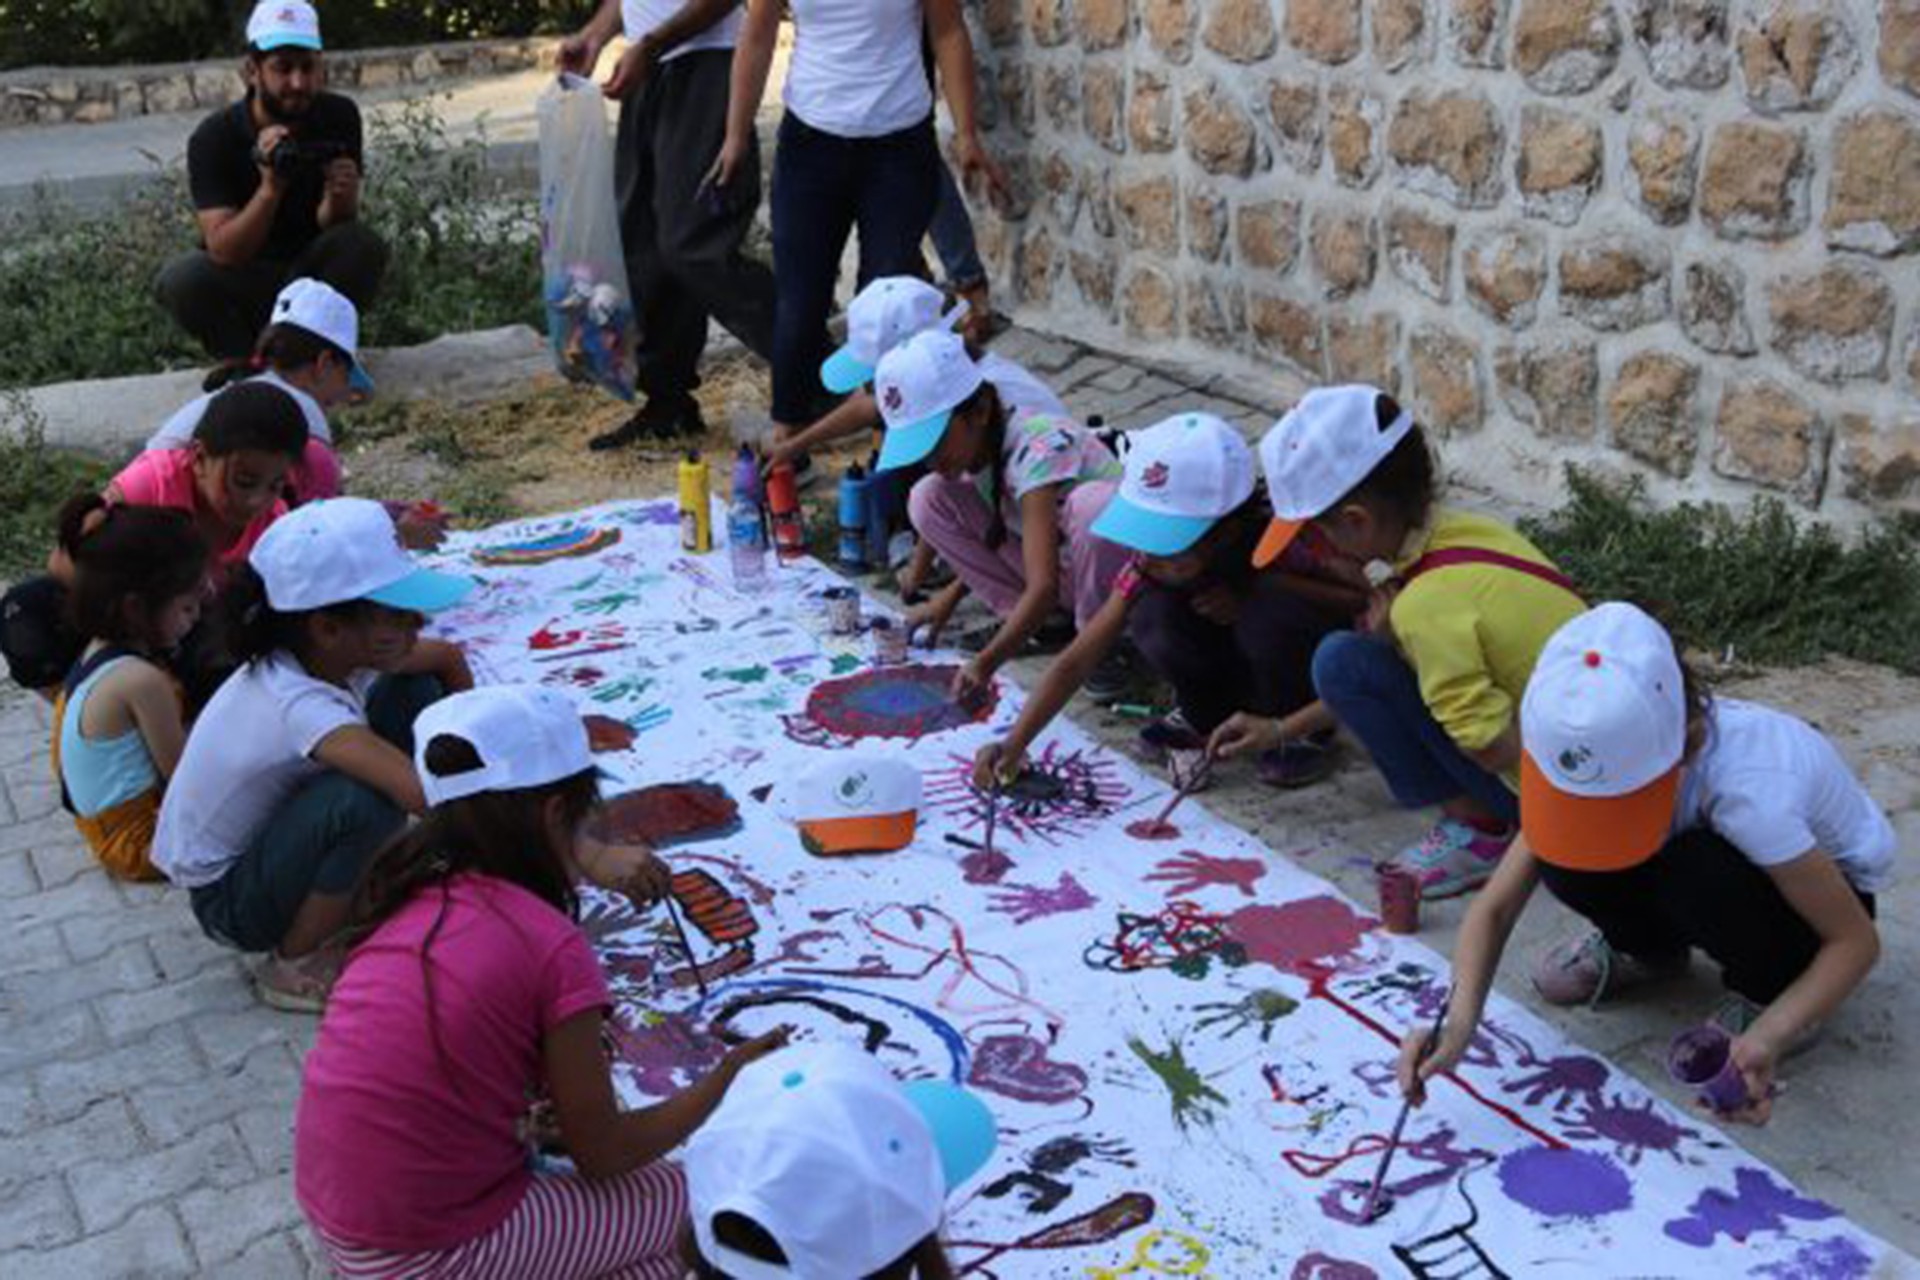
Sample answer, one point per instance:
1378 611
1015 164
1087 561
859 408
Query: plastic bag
583 269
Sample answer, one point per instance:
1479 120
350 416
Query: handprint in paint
1193 870
1027 903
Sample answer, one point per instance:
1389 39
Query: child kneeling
469 992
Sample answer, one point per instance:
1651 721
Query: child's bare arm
364 755
153 700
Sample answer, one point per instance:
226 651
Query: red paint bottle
783 508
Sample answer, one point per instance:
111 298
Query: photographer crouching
275 180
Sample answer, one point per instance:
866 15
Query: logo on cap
1155 476
856 789
1577 765
288 15
892 398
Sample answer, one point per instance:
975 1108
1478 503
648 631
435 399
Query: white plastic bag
584 271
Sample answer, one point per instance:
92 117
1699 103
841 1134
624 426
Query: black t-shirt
221 173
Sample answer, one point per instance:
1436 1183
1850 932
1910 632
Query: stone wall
1675 237
92 95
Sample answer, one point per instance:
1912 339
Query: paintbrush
1186 787
1375 1207
686 945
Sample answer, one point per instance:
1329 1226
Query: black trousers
224 308
684 263
1263 663
1699 891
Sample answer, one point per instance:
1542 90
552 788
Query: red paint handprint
1194 870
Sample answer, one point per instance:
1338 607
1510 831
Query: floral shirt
1044 449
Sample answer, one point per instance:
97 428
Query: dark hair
1403 483
927 1260
253 415
281 347
501 834
255 629
147 555
988 395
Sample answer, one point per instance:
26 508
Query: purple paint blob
1756 1203
1836 1259
1017 1066
1565 1183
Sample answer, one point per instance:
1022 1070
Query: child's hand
995 765
1413 1073
1245 734
755 1049
422 526
933 616
630 869
972 684
1378 619
1757 1063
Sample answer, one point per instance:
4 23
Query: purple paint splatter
1027 903
1565 1183
1835 1259
1756 1203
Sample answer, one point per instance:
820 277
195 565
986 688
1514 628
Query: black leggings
1699 891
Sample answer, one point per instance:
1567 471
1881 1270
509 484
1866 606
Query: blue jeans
320 838
824 188
952 233
1375 694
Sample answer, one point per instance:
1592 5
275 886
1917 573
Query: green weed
35 481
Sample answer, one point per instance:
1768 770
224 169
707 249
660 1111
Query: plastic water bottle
854 489
883 489
746 531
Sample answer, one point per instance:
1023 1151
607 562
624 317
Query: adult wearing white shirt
856 152
682 237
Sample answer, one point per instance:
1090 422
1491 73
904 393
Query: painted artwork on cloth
1187 1041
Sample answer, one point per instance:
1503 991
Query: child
820 1163
1225 638
1011 504
1673 821
139 574
469 991
1461 607
228 480
297 768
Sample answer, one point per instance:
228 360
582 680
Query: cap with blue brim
918 385
423 591
844 372
283 24
904 446
1183 475
1154 532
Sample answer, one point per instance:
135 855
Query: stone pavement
146 1100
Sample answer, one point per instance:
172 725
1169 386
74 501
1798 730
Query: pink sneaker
300 985
1586 970
1454 858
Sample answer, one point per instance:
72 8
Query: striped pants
567 1227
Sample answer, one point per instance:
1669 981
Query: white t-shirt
641 16
856 69
249 750
1019 390
1774 787
177 432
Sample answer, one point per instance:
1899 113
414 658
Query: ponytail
254 629
147 555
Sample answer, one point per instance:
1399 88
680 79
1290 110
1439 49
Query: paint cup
889 643
843 611
1702 1059
1399 897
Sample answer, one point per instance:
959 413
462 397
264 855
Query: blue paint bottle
854 502
882 490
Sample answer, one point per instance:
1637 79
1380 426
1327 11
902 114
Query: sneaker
1299 763
1111 677
1160 738
1586 970
299 985
658 419
1454 858
1736 1014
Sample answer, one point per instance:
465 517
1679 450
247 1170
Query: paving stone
20 1110
62 862
91 933
32 800
103 1132
170 1112
37 1216
275 1257
229 1039
16 876
127 968
31 830
1085 369
149 1245
168 1056
268 1134
1039 353
224 1224
49 1036
131 1014
107 1192
181 950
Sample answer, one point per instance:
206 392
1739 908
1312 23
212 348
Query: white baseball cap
1603 727
919 384
283 24
1183 475
881 317
843 1166
856 804
342 549
525 736
326 313
1316 455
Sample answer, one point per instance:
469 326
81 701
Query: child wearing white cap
1011 503
1461 607
471 991
1674 821
820 1164
297 769
1226 638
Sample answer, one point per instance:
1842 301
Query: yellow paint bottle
696 509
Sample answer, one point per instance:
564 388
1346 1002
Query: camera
291 155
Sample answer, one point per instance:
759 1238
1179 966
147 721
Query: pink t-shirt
164 478
401 1145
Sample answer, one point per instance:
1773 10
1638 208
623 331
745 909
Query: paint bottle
783 510
889 642
1702 1059
854 496
696 507
882 488
1399 898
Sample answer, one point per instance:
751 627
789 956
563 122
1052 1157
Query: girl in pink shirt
470 992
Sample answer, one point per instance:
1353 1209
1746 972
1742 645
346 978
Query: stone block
1013 83
1795 55
1000 19
1103 24
1325 30
1103 103
1444 370
1685 41
1060 187
1216 313
1289 330
168 94
1170 25
1713 308
1206 224
1219 132
1420 251
1755 182
1662 164
1149 211
1355 122
1060 96
1505 271
37 1216
1150 113
223 1224
1448 144
1766 434
1873 200
1614 282
1050 22
1565 46
1653 413
1364 349
1557 163
1399 33
1551 386
1268 235
1095 276
1476 32
1150 304
1880 465
1293 105
107 1191
1240 30
1900 44
1342 242
147 1244
1833 324
1033 266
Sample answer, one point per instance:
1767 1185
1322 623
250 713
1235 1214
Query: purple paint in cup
1702 1059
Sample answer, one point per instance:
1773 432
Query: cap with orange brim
880 833
856 804
1594 833
1314 456
1275 541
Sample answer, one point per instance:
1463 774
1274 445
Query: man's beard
276 108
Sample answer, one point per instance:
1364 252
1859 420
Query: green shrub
1753 586
35 481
